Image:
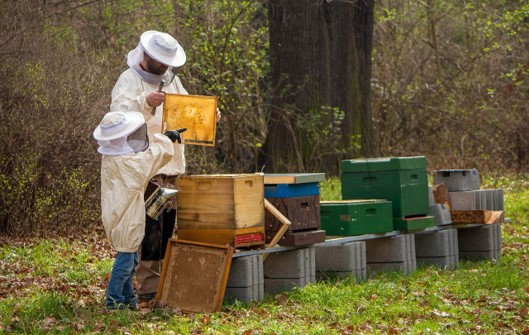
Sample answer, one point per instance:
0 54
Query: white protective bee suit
132 88
123 182
128 163
125 174
129 94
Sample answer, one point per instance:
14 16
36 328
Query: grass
57 287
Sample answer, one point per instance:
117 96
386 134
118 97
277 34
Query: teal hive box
356 217
401 180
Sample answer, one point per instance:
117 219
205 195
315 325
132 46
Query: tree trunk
352 33
320 56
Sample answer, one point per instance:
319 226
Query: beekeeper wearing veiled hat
154 60
129 161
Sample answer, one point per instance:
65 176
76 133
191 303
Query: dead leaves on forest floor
20 274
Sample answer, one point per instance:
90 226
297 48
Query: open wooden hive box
221 209
297 197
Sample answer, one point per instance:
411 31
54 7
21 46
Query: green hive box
414 223
356 217
401 180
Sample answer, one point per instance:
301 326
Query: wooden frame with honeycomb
197 113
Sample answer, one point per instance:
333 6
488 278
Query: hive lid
223 176
353 202
384 164
462 171
293 178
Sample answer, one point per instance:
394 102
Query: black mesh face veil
138 140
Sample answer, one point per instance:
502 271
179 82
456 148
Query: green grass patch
58 287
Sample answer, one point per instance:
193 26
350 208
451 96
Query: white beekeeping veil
163 48
121 133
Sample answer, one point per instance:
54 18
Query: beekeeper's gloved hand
174 135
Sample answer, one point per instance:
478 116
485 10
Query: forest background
449 81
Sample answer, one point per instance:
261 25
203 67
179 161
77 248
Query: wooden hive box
221 209
297 196
303 212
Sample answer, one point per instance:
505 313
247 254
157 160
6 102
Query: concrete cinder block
245 280
499 200
286 270
447 262
482 238
359 275
310 264
494 199
465 200
438 248
499 240
360 255
343 257
431 199
455 246
435 244
297 263
260 271
244 271
490 202
480 255
410 240
341 260
441 214
412 263
459 180
404 267
396 253
278 285
479 243
389 249
484 199
245 294
480 201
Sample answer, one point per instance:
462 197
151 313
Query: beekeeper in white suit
129 161
153 62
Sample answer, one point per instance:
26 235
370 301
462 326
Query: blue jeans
120 291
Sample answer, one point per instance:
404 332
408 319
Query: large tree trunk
320 56
352 32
